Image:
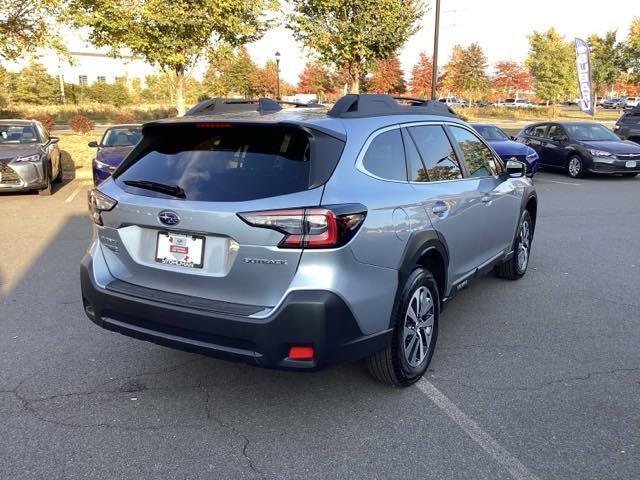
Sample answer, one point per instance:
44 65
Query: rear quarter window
385 156
231 163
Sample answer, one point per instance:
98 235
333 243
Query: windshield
17 134
121 137
229 163
491 133
590 132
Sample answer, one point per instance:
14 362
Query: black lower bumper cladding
314 318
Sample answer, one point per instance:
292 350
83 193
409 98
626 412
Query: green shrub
80 124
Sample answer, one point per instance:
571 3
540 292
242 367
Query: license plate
631 164
180 250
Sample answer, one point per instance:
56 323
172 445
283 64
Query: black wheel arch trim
419 244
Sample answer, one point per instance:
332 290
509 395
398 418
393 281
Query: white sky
499 26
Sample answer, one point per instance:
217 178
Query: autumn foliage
387 77
421 73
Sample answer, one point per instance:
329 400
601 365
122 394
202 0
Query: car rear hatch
177 228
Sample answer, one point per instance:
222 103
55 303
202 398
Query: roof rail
371 105
216 106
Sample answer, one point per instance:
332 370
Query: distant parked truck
516 102
454 101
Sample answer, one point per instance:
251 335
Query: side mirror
93 144
516 168
54 139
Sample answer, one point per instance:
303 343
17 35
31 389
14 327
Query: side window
479 159
385 156
539 131
556 131
415 167
437 154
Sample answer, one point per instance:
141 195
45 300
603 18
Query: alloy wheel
575 165
524 245
418 326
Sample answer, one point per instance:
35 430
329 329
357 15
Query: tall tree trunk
355 80
180 86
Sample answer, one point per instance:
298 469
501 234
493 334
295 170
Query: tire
48 189
575 167
58 178
513 269
402 362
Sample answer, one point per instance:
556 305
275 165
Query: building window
83 80
120 79
102 79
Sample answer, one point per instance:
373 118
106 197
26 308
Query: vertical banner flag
584 76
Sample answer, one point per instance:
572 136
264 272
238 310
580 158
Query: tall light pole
436 35
278 75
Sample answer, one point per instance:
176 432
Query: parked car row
455 102
618 102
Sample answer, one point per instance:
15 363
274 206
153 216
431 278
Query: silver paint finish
476 218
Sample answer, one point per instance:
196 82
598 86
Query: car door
452 202
535 138
499 210
555 148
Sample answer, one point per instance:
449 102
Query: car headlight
103 166
599 153
29 158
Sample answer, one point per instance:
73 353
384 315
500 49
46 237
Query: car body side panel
393 208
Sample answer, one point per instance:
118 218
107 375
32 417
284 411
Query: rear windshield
230 163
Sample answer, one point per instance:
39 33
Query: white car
632 102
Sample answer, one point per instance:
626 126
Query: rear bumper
315 318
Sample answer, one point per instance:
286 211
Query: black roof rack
372 105
216 106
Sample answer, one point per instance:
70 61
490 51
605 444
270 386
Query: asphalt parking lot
536 379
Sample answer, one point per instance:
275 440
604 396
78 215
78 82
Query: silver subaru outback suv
298 238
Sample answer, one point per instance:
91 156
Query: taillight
310 227
98 203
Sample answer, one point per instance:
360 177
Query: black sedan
581 147
29 157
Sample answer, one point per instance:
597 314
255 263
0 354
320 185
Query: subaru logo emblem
169 218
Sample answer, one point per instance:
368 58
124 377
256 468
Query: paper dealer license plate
180 250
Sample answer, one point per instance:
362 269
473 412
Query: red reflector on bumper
301 353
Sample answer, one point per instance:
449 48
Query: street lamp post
277 75
436 35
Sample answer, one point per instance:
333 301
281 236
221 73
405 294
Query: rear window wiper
172 190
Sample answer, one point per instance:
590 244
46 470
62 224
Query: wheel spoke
421 347
412 314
